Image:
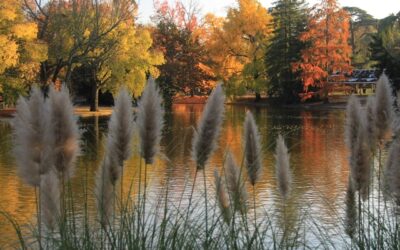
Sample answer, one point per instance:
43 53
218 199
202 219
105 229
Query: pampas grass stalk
222 197
205 139
118 150
150 123
29 150
282 165
62 139
283 176
119 137
253 156
360 164
209 127
370 127
356 139
383 114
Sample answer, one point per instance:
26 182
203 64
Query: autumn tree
177 35
328 51
20 50
289 21
237 46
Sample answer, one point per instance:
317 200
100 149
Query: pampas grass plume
120 129
208 129
235 184
62 136
370 121
353 121
383 108
29 129
150 121
222 197
282 165
253 155
360 162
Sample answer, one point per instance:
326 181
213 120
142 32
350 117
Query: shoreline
336 103
81 111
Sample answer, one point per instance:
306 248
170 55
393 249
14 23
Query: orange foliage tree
328 50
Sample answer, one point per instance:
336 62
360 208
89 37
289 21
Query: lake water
314 138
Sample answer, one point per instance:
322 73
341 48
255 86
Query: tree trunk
325 94
94 101
258 97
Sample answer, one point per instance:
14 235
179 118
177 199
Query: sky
377 8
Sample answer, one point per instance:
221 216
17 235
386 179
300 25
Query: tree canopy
237 46
20 50
289 21
328 50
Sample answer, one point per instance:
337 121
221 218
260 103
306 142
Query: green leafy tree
362 29
289 21
73 29
386 48
125 59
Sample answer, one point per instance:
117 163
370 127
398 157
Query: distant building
360 81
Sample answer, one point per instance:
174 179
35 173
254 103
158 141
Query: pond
318 158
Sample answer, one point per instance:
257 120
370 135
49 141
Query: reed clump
50 146
46 147
369 220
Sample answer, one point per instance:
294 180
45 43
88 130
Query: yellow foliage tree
125 61
20 50
237 46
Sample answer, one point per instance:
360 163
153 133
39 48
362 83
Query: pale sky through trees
377 8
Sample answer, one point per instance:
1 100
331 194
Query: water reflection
314 139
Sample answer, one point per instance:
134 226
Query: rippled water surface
315 141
